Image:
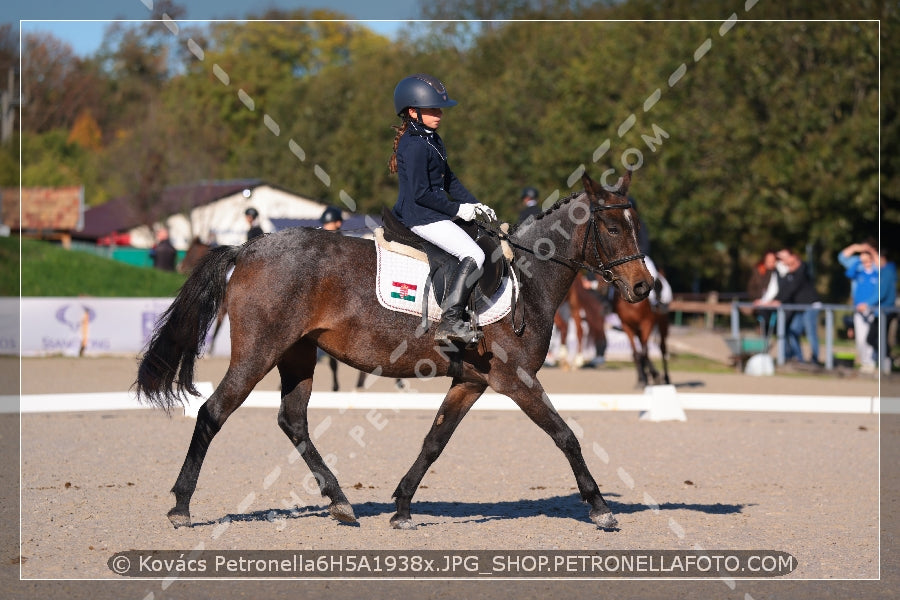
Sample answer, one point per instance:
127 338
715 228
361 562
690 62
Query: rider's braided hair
400 129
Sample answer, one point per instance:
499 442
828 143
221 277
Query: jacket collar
416 128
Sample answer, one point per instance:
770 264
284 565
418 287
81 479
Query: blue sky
82 24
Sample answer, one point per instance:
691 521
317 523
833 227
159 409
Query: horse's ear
593 189
598 192
626 181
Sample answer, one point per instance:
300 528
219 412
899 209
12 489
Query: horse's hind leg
639 357
456 404
333 363
296 368
663 327
534 402
229 395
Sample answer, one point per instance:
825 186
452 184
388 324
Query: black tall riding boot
454 326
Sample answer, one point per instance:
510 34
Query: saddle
441 263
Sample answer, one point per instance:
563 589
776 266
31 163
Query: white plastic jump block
663 404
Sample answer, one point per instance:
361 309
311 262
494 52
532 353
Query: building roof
43 208
119 214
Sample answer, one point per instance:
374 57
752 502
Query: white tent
222 221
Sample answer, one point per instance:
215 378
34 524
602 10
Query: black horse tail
180 333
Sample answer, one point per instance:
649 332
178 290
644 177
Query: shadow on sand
562 507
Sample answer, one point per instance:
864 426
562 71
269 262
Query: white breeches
449 236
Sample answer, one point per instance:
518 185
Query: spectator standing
861 269
530 206
163 254
887 296
252 216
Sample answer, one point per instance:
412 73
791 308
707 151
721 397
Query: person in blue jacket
859 260
430 197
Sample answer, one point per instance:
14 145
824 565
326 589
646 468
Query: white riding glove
487 211
466 212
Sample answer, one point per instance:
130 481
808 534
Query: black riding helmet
420 91
331 214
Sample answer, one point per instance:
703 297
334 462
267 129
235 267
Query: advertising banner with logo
94 326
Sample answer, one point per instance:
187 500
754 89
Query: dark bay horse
300 289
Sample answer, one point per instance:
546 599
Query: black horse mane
556 206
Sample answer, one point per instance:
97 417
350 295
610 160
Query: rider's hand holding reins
466 212
486 210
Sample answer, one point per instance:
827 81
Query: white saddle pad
400 283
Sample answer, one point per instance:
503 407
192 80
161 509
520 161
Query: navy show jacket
429 191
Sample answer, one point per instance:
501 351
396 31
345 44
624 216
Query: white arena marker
114 401
664 404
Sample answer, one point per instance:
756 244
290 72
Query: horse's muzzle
641 290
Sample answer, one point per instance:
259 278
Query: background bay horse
639 319
638 322
585 308
300 289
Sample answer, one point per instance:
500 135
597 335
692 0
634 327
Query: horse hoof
402 523
605 520
179 519
342 511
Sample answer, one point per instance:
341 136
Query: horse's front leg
456 404
535 403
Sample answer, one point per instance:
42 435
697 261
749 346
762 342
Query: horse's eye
613 230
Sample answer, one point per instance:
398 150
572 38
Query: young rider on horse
430 196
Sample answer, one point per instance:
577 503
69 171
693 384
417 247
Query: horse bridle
602 269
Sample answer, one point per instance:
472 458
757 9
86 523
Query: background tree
771 137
